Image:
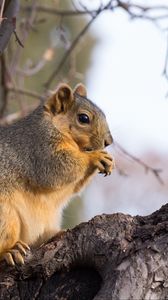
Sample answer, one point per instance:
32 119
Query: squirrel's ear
61 100
80 89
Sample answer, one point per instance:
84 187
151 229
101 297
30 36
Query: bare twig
141 10
74 44
3 86
2 10
25 32
9 23
61 13
29 71
67 53
121 172
165 71
128 6
154 171
17 115
17 39
26 92
134 10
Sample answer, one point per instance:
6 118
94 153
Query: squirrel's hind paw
16 254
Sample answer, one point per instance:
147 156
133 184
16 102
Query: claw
22 245
16 254
8 258
21 248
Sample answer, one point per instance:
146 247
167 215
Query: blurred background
118 49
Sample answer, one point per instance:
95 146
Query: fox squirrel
45 158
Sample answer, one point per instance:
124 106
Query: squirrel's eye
83 118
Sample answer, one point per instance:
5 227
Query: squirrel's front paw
103 161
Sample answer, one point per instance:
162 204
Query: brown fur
45 160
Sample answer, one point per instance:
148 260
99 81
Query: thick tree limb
110 257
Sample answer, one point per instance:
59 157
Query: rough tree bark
110 257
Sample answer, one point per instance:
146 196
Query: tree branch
18 39
142 11
74 44
16 115
3 86
26 92
8 25
2 10
111 257
154 171
61 13
67 54
128 6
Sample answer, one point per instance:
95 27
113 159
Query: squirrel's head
79 118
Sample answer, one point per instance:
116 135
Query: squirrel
45 158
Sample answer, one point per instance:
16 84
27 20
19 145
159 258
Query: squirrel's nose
108 140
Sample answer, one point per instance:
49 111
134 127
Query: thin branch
148 8
127 6
9 23
142 11
69 13
26 28
3 86
165 71
154 171
26 92
74 44
91 13
121 172
17 115
29 71
17 39
2 10
61 13
67 53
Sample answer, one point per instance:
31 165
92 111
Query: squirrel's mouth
87 149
